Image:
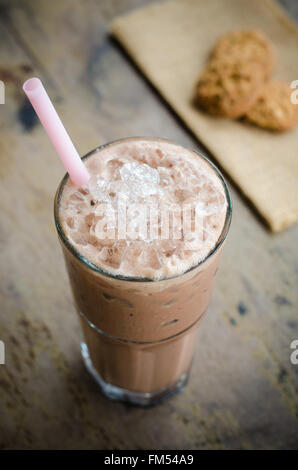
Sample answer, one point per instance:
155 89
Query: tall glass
139 334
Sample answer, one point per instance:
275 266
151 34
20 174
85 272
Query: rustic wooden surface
243 388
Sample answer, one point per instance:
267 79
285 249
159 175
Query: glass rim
67 243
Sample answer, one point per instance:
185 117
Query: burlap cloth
170 42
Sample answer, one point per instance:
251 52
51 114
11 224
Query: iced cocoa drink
142 244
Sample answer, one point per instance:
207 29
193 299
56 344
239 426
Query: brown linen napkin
170 42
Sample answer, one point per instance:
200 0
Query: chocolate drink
142 292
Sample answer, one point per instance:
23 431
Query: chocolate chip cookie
229 89
274 109
244 46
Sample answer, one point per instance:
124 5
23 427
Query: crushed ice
137 182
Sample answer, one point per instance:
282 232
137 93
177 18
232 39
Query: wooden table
243 388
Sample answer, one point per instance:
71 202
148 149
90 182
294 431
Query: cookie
229 89
273 109
244 46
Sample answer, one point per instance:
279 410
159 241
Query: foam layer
165 179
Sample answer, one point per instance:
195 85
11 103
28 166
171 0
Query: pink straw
56 131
